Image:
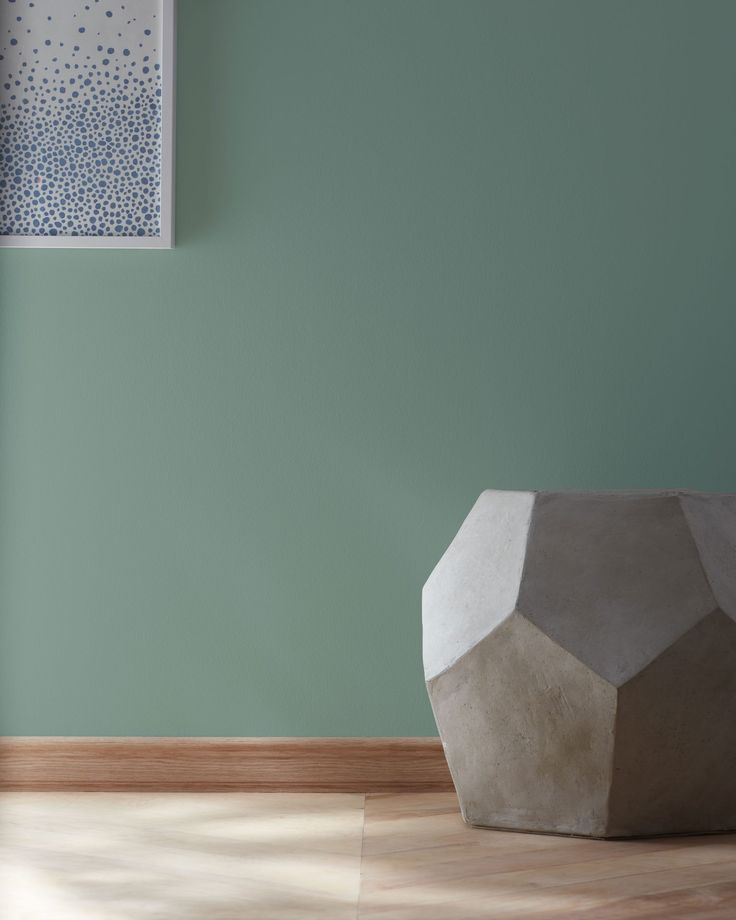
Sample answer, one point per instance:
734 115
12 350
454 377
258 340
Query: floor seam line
360 861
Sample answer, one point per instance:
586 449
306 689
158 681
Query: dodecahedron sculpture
580 658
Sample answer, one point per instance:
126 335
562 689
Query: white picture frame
165 237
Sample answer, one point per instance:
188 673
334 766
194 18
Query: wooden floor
125 856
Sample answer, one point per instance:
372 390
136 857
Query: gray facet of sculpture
580 658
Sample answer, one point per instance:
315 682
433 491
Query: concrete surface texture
580 658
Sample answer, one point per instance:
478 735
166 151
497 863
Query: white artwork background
80 118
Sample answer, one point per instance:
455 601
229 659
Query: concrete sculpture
580 658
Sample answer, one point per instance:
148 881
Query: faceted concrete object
580 657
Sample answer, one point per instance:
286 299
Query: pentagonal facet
528 733
613 577
712 520
475 584
675 748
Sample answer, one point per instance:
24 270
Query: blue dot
147 31
13 41
108 14
82 29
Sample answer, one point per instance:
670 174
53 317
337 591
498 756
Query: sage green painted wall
424 248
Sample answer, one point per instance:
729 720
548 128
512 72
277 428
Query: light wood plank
179 856
223 764
420 860
123 856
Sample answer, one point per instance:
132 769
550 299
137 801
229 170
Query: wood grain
179 856
295 856
223 764
420 861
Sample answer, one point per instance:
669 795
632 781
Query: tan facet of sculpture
580 658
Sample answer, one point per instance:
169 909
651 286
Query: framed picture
87 123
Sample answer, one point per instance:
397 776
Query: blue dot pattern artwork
80 118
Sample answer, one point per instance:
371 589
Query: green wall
424 248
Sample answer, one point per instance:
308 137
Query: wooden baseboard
223 764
